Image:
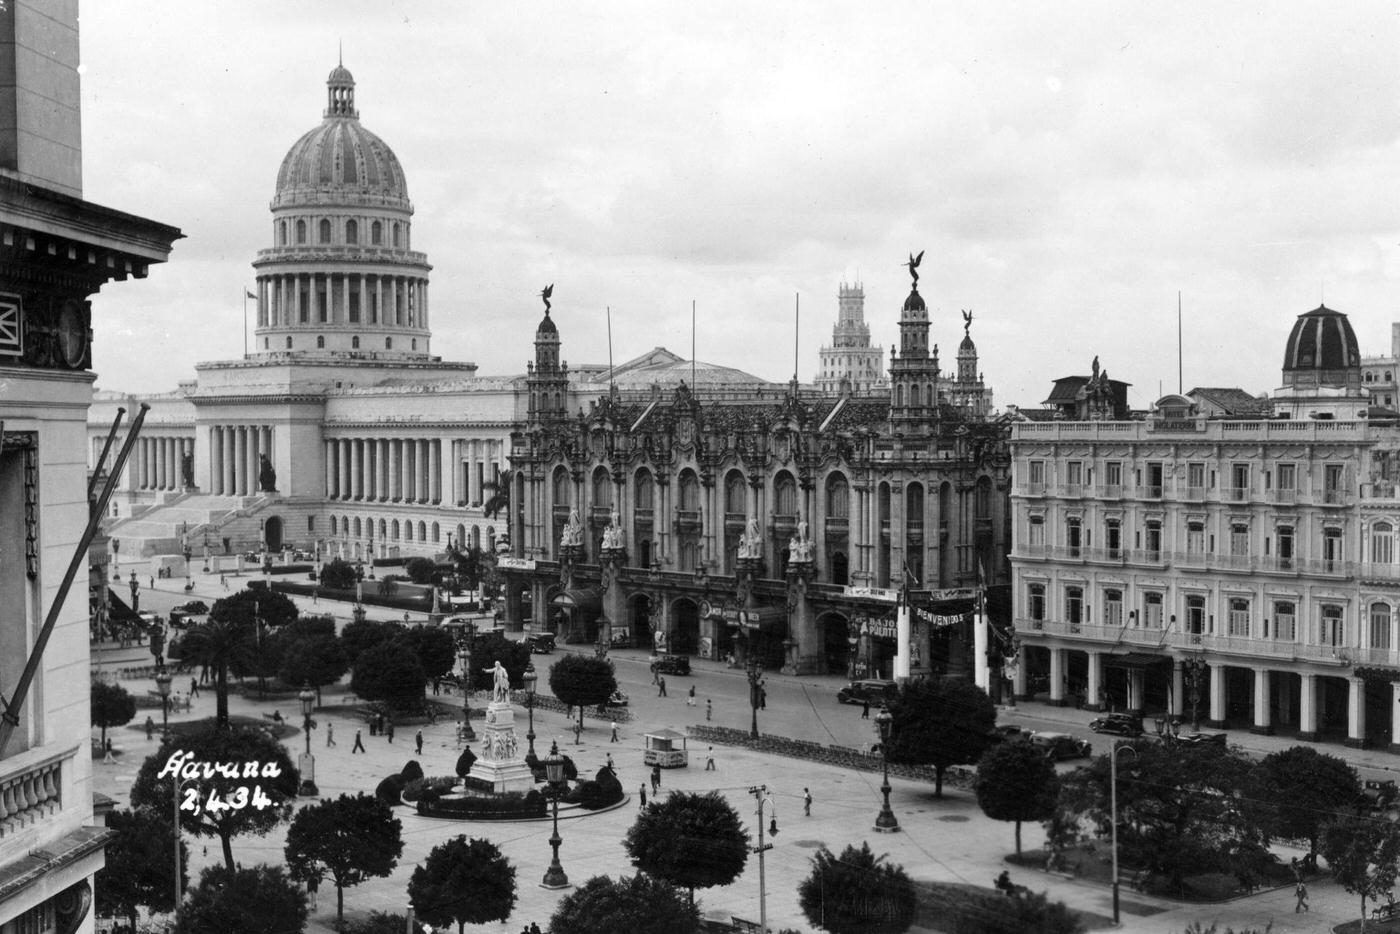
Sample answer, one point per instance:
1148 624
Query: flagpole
245 323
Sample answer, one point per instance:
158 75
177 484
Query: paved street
946 840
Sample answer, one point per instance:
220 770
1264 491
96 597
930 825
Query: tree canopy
581 681
361 635
857 893
139 872
314 660
1307 788
274 609
224 646
1016 782
339 574
1363 854
690 840
254 900
390 672
213 746
490 647
421 570
434 647
350 838
639 905
111 706
463 881
940 722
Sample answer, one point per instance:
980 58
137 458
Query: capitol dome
340 159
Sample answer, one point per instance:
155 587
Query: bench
743 926
275 718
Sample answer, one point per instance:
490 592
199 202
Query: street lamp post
206 551
464 652
554 877
885 822
135 589
307 765
1113 808
163 688
530 678
370 548
1195 669
755 672
760 793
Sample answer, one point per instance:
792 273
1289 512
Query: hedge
510 805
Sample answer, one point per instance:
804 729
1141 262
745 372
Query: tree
111 706
466 881
225 646
390 672
940 722
308 627
1016 782
139 872
1182 810
244 606
255 900
338 574
352 839
690 840
500 496
581 681
421 570
639 905
1363 854
491 647
316 660
362 635
266 797
1307 788
857 893
434 648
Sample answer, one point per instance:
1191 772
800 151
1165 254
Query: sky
1067 169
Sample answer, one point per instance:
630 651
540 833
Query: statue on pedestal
500 690
800 546
751 542
572 536
267 477
613 535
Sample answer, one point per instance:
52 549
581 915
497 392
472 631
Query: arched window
689 491
838 497
289 342
357 528
437 533
352 231
983 504
1382 543
325 230
320 342
645 495
376 234
281 233
383 529
333 525
914 394
388 343
396 236
394 529
734 499
408 531
899 395
563 489
413 344
355 343
1380 626
422 531
784 495
301 231
602 489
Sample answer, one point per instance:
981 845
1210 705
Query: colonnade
296 298
410 470
154 462
235 453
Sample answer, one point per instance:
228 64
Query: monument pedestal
500 762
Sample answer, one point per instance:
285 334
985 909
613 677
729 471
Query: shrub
412 771
378 922
464 762
421 787
390 791
420 570
486 807
339 574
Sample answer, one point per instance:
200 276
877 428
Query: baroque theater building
1242 572
774 522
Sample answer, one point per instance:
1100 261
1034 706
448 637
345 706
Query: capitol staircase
158 529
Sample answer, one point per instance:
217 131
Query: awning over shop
764 618
587 599
1136 660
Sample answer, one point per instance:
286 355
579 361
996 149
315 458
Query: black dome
1322 339
547 326
915 302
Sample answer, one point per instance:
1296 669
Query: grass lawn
1093 863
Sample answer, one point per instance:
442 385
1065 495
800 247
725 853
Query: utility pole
760 793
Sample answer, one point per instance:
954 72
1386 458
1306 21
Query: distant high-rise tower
850 355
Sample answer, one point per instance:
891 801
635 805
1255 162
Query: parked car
540 643
1199 739
1117 724
1378 795
180 615
1061 746
670 664
874 691
1004 731
616 699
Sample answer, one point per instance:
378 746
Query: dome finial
340 92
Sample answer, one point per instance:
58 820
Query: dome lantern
340 93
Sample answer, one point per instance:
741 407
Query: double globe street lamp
307 765
886 822
530 678
554 877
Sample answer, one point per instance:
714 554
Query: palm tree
224 646
499 498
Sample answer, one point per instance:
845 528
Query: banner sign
516 564
941 620
926 597
872 593
881 627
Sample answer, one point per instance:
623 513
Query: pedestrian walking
611 767
656 779
690 699
614 737
223 580
359 744
806 802
437 686
389 730
865 709
330 734
153 584
107 755
710 759
374 725
762 696
535 928
150 727
642 796
661 687
418 743
709 709
1301 893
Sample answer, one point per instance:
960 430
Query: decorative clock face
72 334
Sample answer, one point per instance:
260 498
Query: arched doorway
639 619
272 533
840 569
837 643
685 627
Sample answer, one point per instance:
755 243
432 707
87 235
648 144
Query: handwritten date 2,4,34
215 804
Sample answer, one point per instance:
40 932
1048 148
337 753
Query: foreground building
56 251
1243 571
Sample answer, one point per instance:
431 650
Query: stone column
1178 703
216 455
230 460
1094 689
381 473
240 465
395 467
1263 721
1057 677
344 462
1018 679
328 447
1356 712
253 452
1307 707
435 467
1217 695
423 471
1136 704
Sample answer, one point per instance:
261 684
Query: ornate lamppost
1195 668
206 551
464 652
554 877
530 678
135 586
1113 807
760 793
370 548
188 552
163 688
307 765
885 822
755 672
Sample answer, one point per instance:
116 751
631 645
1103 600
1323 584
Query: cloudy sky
1068 168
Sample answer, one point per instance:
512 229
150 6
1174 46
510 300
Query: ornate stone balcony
30 784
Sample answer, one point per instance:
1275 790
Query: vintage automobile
1060 746
874 691
670 664
1198 739
1005 731
616 699
180 615
540 643
1117 724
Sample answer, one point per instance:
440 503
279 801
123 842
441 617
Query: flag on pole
249 294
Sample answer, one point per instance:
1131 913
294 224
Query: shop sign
516 564
872 593
884 627
730 615
926 597
941 620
